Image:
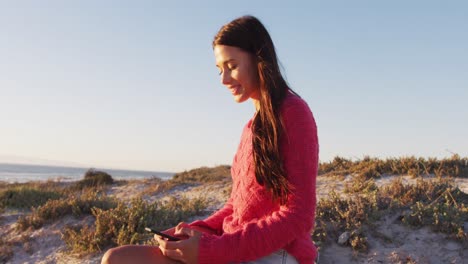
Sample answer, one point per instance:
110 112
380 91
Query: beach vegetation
125 224
360 183
6 250
454 166
26 196
203 175
432 201
76 205
192 178
93 178
435 203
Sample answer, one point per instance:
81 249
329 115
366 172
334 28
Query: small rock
344 238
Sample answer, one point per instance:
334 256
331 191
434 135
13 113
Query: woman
270 214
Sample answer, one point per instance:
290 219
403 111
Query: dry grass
28 195
193 177
6 250
116 222
427 203
75 205
6 247
24 197
454 166
125 224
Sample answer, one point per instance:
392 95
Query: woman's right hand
185 251
171 231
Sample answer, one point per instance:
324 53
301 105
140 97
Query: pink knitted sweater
251 225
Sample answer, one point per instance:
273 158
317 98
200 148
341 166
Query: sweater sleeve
214 222
295 219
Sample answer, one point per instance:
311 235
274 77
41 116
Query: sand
407 245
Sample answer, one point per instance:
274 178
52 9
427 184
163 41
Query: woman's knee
130 254
112 255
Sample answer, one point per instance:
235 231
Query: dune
389 242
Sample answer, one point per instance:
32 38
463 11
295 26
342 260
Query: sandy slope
417 245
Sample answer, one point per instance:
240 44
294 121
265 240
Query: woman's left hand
182 250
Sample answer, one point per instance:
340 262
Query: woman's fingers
180 226
166 243
158 238
185 251
171 249
170 231
187 231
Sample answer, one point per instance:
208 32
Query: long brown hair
249 34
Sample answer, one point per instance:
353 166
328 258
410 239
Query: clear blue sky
132 84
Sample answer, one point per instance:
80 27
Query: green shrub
344 214
407 195
94 178
125 224
358 242
192 177
55 209
427 203
447 213
372 167
203 175
360 184
338 166
26 197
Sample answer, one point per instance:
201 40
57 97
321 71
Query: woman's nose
225 77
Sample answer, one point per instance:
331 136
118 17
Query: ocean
24 173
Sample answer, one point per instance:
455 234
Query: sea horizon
21 172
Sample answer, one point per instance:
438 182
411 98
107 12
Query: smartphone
170 238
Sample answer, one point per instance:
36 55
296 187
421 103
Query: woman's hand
171 231
182 250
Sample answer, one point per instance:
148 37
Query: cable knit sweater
251 225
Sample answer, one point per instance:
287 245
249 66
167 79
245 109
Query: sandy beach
407 245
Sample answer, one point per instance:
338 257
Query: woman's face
238 72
